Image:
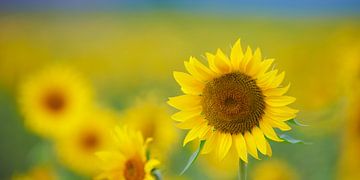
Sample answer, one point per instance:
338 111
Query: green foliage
193 157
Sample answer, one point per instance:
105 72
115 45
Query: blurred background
126 50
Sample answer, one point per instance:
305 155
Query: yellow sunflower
128 161
37 173
52 99
151 118
274 170
235 103
76 148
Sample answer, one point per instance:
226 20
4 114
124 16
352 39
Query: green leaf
157 174
297 123
292 140
193 157
147 155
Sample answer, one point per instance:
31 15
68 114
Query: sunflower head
77 146
53 99
128 160
151 118
236 101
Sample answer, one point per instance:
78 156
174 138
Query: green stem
242 170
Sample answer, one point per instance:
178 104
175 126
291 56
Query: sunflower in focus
76 148
37 173
274 170
152 119
129 160
53 99
236 102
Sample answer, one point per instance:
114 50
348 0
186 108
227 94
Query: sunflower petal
236 55
250 145
190 123
193 133
221 63
151 164
276 91
254 64
205 73
184 115
266 79
264 66
211 142
269 131
185 102
259 139
277 80
225 142
188 83
246 59
240 145
277 101
268 149
278 124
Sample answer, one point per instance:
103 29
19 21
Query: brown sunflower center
134 169
54 101
90 141
233 103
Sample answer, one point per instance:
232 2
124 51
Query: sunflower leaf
157 174
292 140
297 123
193 157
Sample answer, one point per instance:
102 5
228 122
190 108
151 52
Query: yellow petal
282 111
189 67
250 145
205 73
188 83
268 149
254 64
224 145
240 145
190 123
185 102
269 131
265 80
276 91
259 139
280 117
277 101
151 164
244 62
184 115
211 142
236 55
277 80
203 131
265 65
193 133
220 63
278 124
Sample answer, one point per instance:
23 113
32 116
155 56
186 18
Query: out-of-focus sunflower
235 102
129 160
76 148
37 173
152 119
274 170
53 99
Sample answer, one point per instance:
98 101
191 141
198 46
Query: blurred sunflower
77 146
129 161
274 170
234 102
37 173
152 119
52 99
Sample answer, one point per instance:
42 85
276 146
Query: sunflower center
90 141
54 101
233 103
134 169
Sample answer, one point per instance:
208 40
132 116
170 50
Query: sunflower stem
242 170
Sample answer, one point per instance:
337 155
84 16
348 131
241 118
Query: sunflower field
158 90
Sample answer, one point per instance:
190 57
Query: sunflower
37 173
274 170
151 118
52 99
235 103
76 148
129 160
